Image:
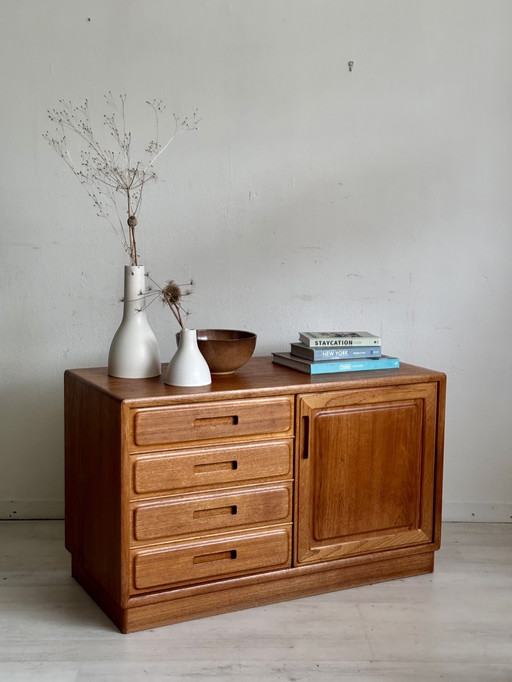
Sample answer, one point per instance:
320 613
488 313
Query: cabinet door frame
422 396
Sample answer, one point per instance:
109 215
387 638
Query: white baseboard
31 509
488 512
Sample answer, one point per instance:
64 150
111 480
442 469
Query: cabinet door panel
366 471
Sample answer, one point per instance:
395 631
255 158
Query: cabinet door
366 465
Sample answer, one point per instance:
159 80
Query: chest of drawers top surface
259 377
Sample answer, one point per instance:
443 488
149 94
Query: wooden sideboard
267 485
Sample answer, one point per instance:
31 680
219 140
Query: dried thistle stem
172 294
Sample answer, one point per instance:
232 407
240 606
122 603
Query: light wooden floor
455 624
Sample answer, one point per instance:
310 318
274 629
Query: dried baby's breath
112 179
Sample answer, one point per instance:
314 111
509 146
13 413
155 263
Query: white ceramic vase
188 366
134 352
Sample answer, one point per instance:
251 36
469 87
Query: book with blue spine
335 353
333 366
327 339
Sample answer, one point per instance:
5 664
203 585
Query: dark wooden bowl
225 350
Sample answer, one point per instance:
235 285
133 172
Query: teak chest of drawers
265 486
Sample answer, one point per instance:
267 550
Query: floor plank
454 624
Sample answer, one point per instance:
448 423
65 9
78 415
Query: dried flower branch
107 173
171 294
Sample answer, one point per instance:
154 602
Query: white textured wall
311 197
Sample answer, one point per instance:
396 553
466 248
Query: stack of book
329 352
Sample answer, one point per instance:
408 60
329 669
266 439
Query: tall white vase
134 352
188 366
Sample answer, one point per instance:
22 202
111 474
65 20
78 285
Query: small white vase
188 366
134 352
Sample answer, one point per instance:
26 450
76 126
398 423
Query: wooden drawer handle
305 439
216 466
218 556
231 420
218 511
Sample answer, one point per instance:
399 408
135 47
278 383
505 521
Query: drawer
159 427
211 466
212 559
197 514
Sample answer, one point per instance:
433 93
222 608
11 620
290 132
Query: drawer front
198 514
214 466
212 559
154 427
